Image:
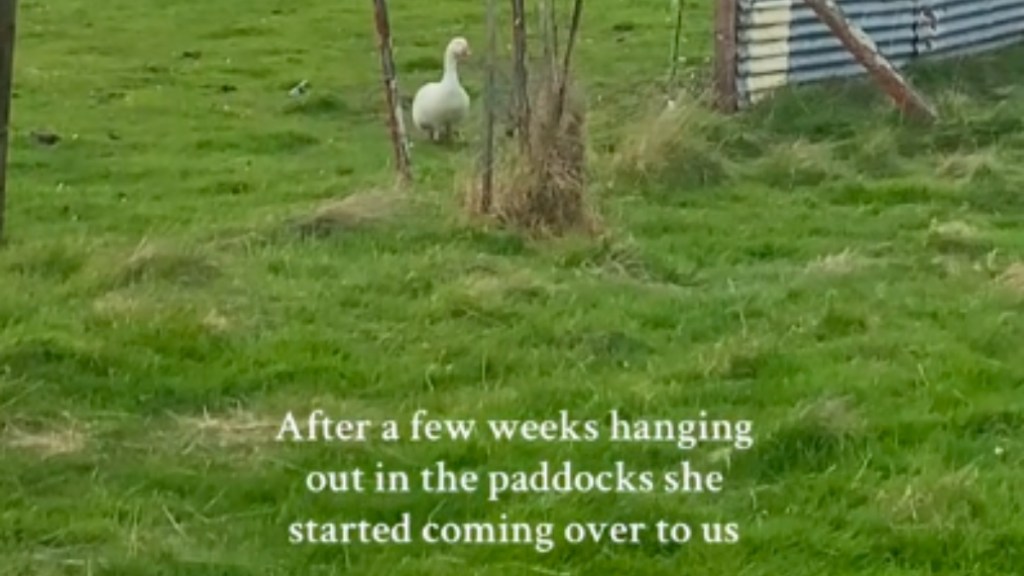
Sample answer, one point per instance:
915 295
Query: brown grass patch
734 357
1013 278
969 166
122 306
676 143
958 237
541 186
216 322
956 229
940 502
116 304
47 442
838 264
837 414
496 285
173 265
231 429
355 211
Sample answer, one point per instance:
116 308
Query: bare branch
521 101
574 27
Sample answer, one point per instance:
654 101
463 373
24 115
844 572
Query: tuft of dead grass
838 264
958 237
47 442
734 357
496 286
877 153
954 104
942 502
215 321
175 265
799 163
541 187
676 142
128 307
117 305
1012 278
970 166
358 210
231 429
837 414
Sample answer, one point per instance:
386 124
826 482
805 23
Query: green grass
851 284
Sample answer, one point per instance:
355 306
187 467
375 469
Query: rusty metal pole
399 140
864 50
8 17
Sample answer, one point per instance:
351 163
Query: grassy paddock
851 284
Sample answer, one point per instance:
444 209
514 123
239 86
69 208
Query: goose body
440 107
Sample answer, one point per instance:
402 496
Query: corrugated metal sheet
781 42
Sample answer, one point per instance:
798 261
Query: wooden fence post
487 183
726 98
521 94
8 17
399 140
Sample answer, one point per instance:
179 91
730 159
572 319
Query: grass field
851 284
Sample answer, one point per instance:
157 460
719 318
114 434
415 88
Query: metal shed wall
782 42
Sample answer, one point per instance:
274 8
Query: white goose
439 107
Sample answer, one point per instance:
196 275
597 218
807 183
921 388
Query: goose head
458 49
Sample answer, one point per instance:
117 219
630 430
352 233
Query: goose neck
451 68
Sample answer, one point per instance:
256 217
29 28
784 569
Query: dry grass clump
167 264
541 187
677 142
958 238
353 212
839 264
1013 278
938 501
235 428
47 441
969 166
